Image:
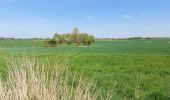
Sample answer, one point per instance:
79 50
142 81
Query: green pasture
133 69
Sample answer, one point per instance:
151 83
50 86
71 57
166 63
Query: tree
67 38
59 38
76 36
92 38
86 39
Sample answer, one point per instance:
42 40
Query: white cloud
89 17
127 16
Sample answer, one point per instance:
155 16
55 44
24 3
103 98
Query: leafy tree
67 38
86 39
74 37
92 38
59 38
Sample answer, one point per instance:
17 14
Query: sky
101 18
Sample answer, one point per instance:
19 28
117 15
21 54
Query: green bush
52 42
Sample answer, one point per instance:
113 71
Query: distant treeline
133 38
4 38
69 38
139 38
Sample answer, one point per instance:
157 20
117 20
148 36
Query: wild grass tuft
31 80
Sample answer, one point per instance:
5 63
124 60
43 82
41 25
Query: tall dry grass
30 80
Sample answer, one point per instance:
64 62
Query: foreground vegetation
133 69
31 80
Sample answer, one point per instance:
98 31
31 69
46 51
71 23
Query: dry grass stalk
30 80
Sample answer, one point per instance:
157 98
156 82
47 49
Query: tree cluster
74 37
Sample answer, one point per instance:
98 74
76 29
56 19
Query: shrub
78 43
69 42
52 42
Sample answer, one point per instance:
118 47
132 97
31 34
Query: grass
136 69
32 80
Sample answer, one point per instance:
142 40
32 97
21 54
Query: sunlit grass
30 80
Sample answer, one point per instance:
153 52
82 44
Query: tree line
75 37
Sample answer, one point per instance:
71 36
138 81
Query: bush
78 43
69 42
52 42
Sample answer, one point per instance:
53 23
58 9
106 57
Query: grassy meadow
132 69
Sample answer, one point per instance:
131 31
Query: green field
133 69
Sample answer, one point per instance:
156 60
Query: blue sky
102 18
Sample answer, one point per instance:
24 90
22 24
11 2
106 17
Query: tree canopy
74 37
